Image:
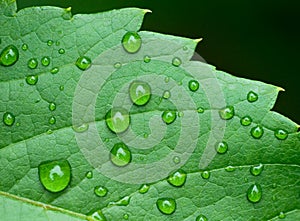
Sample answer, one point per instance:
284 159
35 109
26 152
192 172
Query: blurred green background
255 39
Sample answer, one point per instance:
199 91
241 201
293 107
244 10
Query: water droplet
89 175
146 135
252 97
200 110
132 42
177 178
80 128
24 47
140 92
49 42
98 215
205 174
32 79
9 56
49 131
45 61
257 132
126 216
147 59
52 120
167 79
8 119
122 202
57 43
54 70
176 160
254 193
120 155
229 169
180 114
221 147
166 94
227 113
169 116
52 106
61 87
166 205
83 63
100 191
117 120
281 215
281 134
246 121
61 51
144 189
193 85
185 48
117 65
256 169
55 175
201 218
32 63
176 62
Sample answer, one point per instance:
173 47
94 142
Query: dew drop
52 120
45 61
140 92
132 42
61 87
83 63
257 132
80 128
61 51
117 65
32 63
8 119
24 47
281 215
32 79
193 85
49 42
227 113
98 215
54 70
144 189
120 155
200 110
49 131
166 205
100 191
205 174
252 97
221 147
166 94
117 120
126 216
254 193
176 160
176 62
256 169
169 116
52 106
55 176
122 202
229 169
281 134
246 121
201 218
177 178
9 56
167 79
89 175
147 59
180 114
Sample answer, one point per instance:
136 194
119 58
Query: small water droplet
55 176
177 178
117 65
32 63
89 175
166 94
49 131
180 114
256 169
83 63
100 191
281 134
227 113
167 79
54 70
147 59
45 61
201 218
200 110
193 85
281 215
52 120
169 116
221 147
61 87
32 79
8 119
229 169
144 189
49 42
98 215
146 135
126 216
122 202
61 51
246 121
9 56
185 48
254 193
24 47
57 43
252 97
80 128
257 132
132 42
106 140
140 92
117 120
52 106
205 174
166 205
176 62
120 155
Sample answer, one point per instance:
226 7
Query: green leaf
54 114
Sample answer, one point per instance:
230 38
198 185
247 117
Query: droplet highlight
120 155
117 120
227 113
132 42
166 205
140 92
83 63
9 56
177 178
254 193
169 116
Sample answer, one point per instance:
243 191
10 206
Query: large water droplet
201 218
281 134
254 193
132 42
144 189
89 175
176 62
9 55
80 128
252 97
100 191
24 47
256 169
83 63
32 63
45 61
52 106
52 120
117 120
55 175
8 119
205 174
193 85
177 178
166 205
246 121
257 132
140 92
147 59
227 113
120 155
169 116
32 79
221 147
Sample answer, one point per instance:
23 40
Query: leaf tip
145 11
280 89
198 40
68 9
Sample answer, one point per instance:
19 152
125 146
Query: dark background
255 39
